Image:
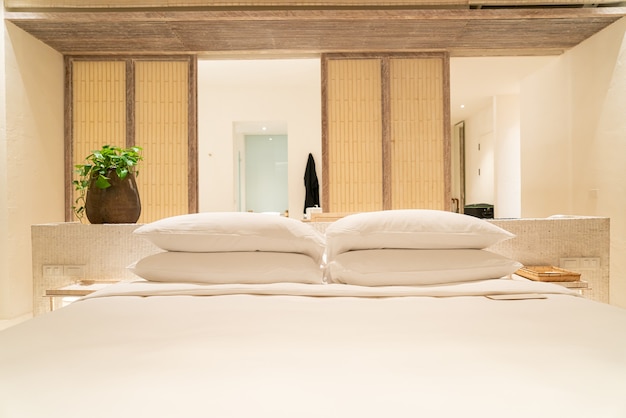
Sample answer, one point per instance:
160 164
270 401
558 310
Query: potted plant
107 191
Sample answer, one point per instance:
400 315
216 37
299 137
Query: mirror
237 97
288 90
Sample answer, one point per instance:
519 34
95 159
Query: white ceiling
475 80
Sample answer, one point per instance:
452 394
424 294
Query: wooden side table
75 291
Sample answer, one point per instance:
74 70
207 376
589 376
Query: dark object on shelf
480 210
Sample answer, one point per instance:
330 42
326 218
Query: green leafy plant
97 167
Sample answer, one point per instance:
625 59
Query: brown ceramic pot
118 204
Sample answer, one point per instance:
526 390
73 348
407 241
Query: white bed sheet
265 351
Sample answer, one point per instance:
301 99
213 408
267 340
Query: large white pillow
411 228
417 267
234 231
229 267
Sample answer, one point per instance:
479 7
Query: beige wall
573 135
4 221
598 131
507 175
260 90
545 141
31 159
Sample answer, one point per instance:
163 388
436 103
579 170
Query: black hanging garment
311 185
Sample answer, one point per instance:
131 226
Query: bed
394 314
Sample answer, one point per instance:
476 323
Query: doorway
261 167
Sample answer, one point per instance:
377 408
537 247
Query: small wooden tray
548 274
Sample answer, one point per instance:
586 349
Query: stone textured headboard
104 251
549 241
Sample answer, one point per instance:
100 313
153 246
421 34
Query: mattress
487 348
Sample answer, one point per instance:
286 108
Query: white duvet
291 350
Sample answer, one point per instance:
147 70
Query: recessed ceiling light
462 106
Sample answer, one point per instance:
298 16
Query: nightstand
65 295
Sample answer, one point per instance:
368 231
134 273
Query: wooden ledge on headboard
328 216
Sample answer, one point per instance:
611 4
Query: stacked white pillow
386 248
414 247
232 247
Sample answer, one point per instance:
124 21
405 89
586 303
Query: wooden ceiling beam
521 31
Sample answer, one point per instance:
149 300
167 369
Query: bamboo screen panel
98 107
354 135
161 129
417 136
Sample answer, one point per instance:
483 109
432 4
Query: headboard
105 250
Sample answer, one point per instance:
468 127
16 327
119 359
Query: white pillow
417 267
229 268
234 231
411 228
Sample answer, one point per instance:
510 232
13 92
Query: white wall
479 157
31 157
598 134
4 188
256 90
574 140
492 145
507 175
546 154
